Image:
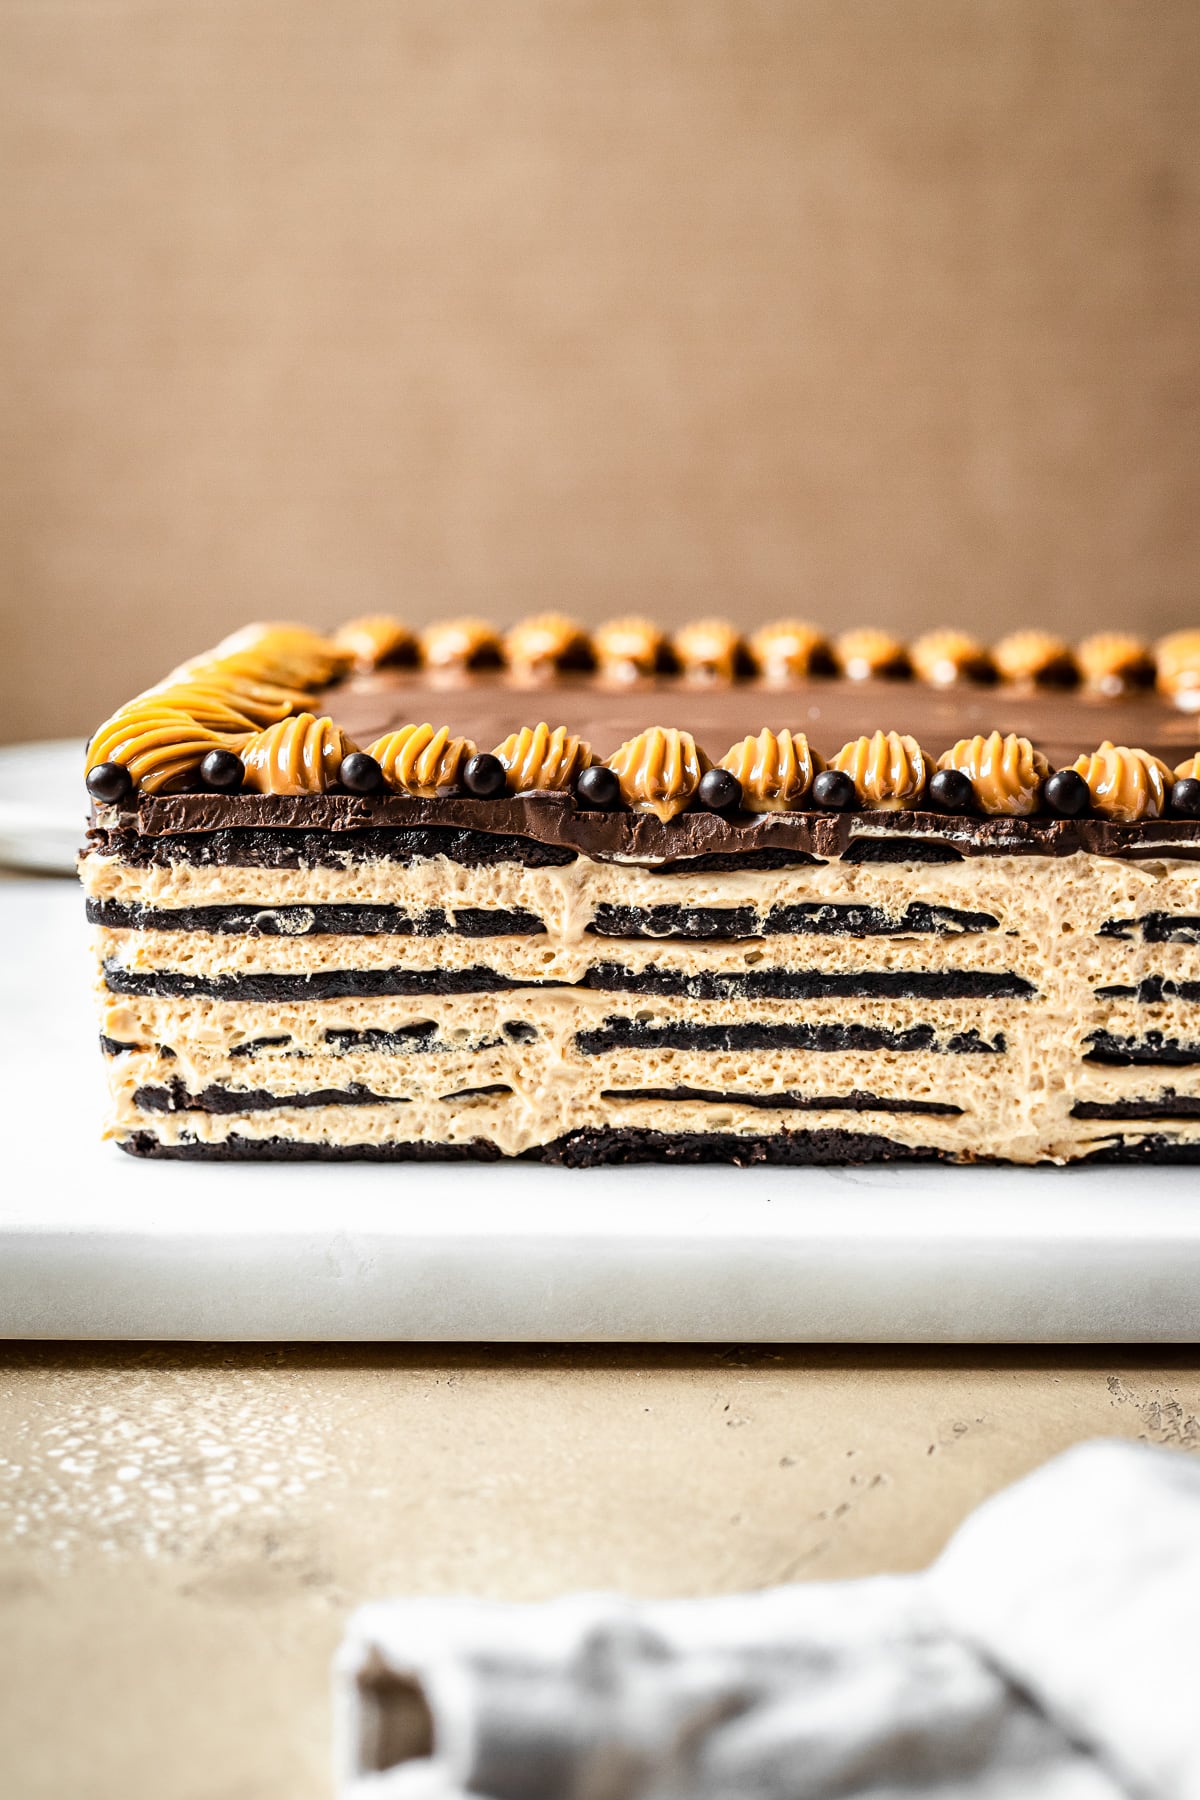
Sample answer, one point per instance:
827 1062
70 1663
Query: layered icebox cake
617 896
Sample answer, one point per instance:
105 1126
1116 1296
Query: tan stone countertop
183 1531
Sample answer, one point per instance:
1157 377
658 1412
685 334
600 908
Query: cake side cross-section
612 896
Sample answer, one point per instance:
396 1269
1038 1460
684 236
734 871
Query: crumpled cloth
1052 1652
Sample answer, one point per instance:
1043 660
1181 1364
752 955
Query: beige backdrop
872 309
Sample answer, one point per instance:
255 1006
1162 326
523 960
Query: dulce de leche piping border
235 721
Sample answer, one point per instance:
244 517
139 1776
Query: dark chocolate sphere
222 770
109 782
951 791
833 790
360 773
483 775
1185 798
1066 793
597 788
719 790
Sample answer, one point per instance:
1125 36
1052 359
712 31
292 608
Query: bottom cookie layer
592 1149
577 1150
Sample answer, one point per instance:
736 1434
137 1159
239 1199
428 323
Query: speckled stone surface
183 1532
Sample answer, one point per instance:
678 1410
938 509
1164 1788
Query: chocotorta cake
617 896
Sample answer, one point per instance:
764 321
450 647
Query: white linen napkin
1051 1653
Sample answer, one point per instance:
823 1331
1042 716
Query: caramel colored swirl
215 698
209 706
659 771
539 648
944 658
775 769
461 644
1006 772
1126 785
1189 768
1113 662
871 655
1036 657
419 760
160 744
377 641
1178 659
290 656
709 650
629 649
790 650
538 758
296 756
888 770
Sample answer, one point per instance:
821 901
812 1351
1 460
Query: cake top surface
783 719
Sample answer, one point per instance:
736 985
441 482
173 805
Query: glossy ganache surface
487 706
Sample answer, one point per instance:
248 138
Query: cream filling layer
535 1069
1027 894
556 1014
513 1126
897 1075
541 1076
548 959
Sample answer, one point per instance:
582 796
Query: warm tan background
878 309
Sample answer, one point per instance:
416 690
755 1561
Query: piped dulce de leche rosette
626 894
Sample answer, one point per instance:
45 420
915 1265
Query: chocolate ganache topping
735 713
830 711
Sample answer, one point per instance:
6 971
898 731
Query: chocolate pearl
833 790
1067 794
483 775
360 773
597 787
719 790
109 782
1185 798
222 770
951 791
